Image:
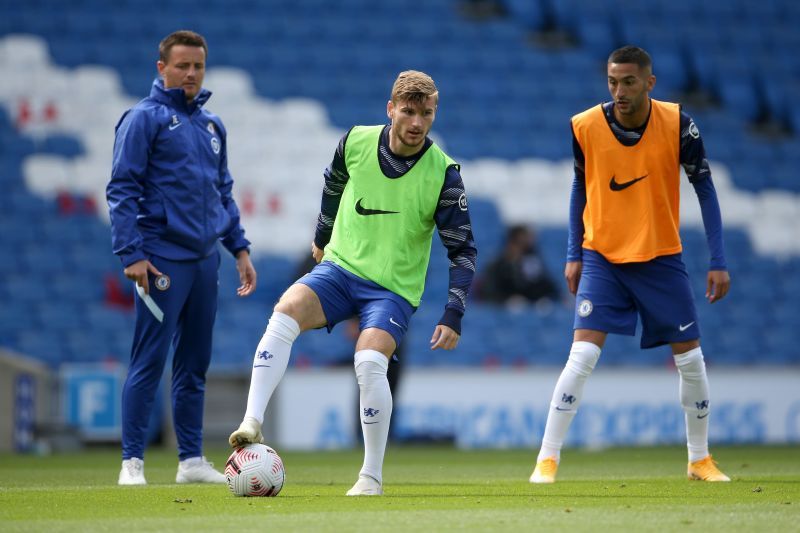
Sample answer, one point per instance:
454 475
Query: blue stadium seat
529 14
343 54
487 226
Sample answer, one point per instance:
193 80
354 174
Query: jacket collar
176 97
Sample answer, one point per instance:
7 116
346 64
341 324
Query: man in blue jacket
170 202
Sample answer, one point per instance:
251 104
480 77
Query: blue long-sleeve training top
170 192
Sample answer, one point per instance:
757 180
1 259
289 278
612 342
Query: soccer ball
255 470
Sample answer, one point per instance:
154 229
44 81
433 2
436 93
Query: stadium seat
506 105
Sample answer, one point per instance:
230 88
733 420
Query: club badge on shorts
215 145
162 282
585 308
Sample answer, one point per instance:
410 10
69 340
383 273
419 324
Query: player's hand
317 252
247 273
138 272
572 273
444 337
717 285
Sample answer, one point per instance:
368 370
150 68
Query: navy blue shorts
344 295
610 296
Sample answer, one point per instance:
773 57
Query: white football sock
694 400
567 397
375 409
270 362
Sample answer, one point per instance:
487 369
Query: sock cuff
691 355
584 347
283 326
583 357
374 356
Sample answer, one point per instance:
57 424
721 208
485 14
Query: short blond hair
414 87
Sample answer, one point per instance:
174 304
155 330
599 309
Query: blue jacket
170 189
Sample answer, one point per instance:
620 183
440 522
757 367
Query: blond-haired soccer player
624 252
385 191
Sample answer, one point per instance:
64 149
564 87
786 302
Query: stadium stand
290 77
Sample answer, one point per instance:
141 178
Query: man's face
410 124
185 68
629 86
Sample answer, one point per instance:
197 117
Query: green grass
427 489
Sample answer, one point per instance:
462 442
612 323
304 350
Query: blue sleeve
234 241
336 178
693 152
712 221
455 231
577 204
132 142
695 164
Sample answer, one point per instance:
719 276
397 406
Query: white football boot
132 472
198 470
249 432
366 486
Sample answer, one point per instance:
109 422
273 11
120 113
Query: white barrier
508 409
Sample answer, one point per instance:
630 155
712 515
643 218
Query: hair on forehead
414 87
631 54
180 37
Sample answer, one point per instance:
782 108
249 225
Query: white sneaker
132 472
249 432
198 470
366 486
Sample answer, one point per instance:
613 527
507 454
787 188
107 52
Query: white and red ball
255 470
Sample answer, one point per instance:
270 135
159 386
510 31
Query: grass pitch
427 489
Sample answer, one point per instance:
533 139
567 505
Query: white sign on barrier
508 409
317 410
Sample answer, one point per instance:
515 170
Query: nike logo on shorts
391 321
687 326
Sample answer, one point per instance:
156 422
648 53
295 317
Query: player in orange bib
624 252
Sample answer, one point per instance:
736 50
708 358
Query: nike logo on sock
259 366
702 416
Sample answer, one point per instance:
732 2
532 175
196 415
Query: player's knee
378 340
583 357
288 304
302 305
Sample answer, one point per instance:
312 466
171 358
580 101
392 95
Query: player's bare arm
444 337
247 274
316 252
718 283
572 273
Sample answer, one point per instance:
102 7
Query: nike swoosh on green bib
361 210
621 186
